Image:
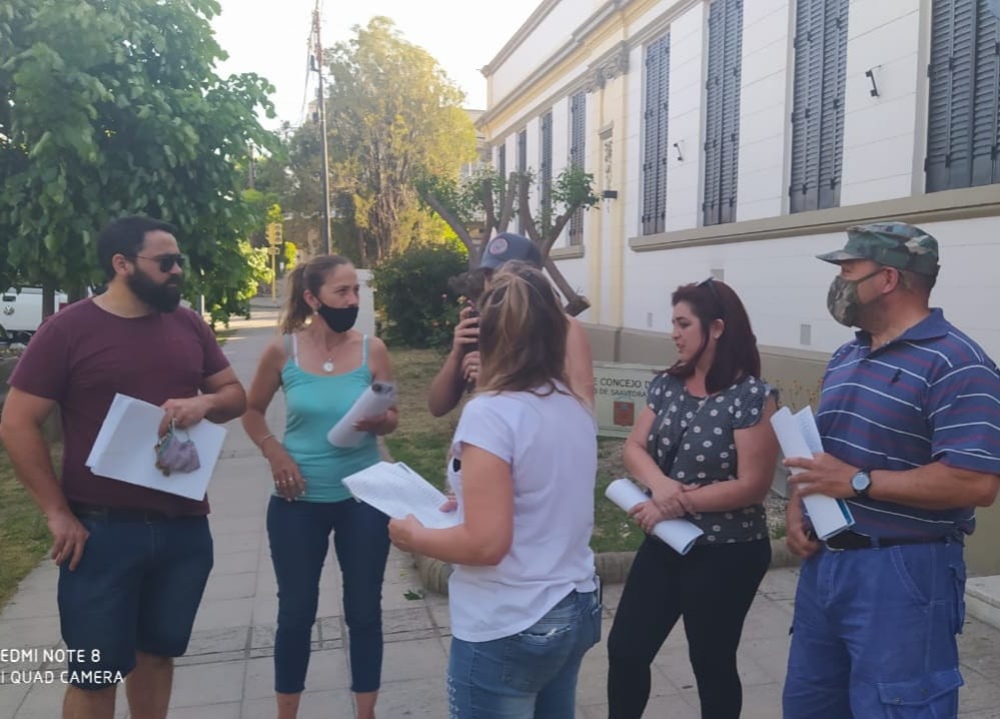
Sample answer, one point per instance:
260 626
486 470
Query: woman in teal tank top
323 366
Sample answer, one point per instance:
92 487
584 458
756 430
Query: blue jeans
299 533
531 674
137 588
873 634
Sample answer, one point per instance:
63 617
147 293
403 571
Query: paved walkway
227 673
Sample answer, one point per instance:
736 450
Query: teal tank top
314 404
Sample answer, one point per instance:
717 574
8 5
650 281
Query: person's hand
647 514
470 367
824 474
288 479
670 499
450 504
799 537
402 532
68 537
183 412
466 331
375 425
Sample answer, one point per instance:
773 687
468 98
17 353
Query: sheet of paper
799 436
374 401
125 449
677 533
396 490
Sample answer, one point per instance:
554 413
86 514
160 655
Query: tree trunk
48 298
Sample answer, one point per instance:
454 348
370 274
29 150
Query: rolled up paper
677 533
374 401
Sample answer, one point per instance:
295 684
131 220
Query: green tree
113 108
391 112
485 204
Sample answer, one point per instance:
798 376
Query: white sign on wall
619 395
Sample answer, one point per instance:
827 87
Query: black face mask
338 319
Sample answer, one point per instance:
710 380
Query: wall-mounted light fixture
870 74
680 155
610 194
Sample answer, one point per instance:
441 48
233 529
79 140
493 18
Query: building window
577 150
545 172
722 110
963 128
818 109
655 116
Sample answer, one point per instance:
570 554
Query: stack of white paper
799 437
678 533
374 401
396 490
125 449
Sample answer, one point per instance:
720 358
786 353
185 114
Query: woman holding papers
704 449
523 599
323 366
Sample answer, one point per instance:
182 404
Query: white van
21 312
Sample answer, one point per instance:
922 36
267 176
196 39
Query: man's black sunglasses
167 262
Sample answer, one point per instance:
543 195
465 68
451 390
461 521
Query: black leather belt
853 540
118 514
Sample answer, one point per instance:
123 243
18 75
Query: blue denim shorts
528 675
137 588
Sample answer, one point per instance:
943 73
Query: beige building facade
738 139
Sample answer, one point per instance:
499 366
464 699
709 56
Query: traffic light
274 234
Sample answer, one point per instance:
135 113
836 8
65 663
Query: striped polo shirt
930 395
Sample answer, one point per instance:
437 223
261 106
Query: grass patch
421 441
24 535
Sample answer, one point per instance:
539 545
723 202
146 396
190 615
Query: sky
269 37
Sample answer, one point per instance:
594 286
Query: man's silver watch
861 483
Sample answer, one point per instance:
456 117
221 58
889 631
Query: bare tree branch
452 220
575 304
491 215
524 212
557 227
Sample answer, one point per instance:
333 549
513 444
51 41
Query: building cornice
932 207
611 64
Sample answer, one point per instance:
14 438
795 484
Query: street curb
612 567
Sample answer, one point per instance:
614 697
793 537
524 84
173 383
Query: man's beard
161 296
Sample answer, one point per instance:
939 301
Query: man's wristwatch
861 483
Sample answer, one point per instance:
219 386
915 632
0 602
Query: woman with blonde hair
323 366
523 599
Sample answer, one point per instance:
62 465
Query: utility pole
321 97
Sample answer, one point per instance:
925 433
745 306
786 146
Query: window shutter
731 109
578 124
522 166
713 114
502 164
818 110
545 174
722 115
831 149
949 127
986 122
656 117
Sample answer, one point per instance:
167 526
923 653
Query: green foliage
108 109
417 307
289 255
254 263
391 109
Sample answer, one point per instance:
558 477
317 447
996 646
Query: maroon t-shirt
82 356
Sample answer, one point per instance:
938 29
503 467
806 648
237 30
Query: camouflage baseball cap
893 244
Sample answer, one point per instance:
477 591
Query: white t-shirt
551 444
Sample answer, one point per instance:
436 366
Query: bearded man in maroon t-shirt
133 561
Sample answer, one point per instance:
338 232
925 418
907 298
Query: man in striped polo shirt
910 420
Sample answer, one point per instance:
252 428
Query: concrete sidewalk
228 674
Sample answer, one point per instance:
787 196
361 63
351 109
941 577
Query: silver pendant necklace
328 365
